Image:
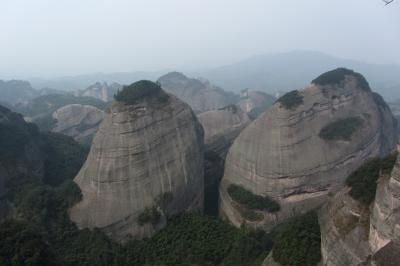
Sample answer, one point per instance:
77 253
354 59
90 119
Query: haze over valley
200 133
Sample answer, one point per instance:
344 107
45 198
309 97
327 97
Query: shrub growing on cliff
341 129
336 76
139 91
363 180
298 242
251 201
149 215
291 99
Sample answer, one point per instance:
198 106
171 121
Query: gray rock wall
139 153
78 121
281 155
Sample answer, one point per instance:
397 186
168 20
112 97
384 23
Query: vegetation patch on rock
298 242
341 129
252 201
139 91
337 76
363 181
149 216
291 99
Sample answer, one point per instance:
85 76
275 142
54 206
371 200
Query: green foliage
194 239
12 141
149 215
291 99
141 90
363 180
251 201
22 244
341 129
336 76
64 157
298 242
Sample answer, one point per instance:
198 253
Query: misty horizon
68 38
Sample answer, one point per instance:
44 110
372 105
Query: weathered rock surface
101 91
355 234
78 121
141 152
221 127
199 94
20 156
385 218
281 154
255 102
344 231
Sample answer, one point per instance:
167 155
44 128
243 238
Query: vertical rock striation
221 127
385 218
146 159
306 144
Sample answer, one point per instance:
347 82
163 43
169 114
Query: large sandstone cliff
147 154
255 102
353 233
284 155
199 94
385 218
101 91
221 127
78 121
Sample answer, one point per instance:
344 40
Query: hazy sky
62 37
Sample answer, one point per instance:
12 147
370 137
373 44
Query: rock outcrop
101 91
221 127
344 231
302 148
78 121
199 94
20 156
356 233
255 102
145 163
385 218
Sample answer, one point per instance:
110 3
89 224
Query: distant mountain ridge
294 70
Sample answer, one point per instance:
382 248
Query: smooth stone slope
284 155
221 127
199 94
148 154
78 121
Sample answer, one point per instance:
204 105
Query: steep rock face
101 91
146 154
385 218
20 155
344 231
199 94
78 121
297 152
255 102
221 127
355 233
